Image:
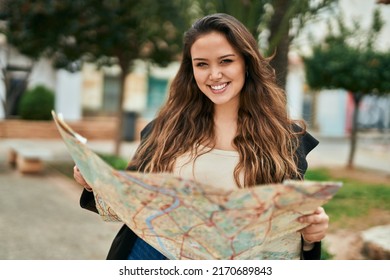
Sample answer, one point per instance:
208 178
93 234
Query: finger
306 218
314 233
79 179
312 219
314 229
309 229
75 176
309 219
317 218
310 238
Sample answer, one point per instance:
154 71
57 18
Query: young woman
225 124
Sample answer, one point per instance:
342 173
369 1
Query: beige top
214 168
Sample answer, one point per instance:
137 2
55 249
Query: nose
215 74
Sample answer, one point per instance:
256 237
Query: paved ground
40 217
372 152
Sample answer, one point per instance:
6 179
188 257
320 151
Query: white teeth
219 87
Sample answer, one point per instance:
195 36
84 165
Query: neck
225 127
225 114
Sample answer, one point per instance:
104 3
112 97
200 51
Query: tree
105 32
349 60
283 19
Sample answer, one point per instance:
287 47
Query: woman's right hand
80 179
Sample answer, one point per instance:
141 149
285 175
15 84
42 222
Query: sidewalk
371 153
41 218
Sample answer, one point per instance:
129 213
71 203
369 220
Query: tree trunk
280 40
357 97
313 116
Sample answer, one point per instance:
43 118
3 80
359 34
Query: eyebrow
221 57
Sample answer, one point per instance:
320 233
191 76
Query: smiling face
219 70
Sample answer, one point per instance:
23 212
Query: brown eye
201 64
226 61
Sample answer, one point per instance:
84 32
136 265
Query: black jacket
124 240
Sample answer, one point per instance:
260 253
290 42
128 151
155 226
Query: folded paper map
184 219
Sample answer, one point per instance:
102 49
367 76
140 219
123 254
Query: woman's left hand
318 225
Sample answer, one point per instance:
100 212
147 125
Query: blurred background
106 67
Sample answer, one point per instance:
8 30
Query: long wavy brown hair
265 138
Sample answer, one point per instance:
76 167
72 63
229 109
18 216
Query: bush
114 161
36 104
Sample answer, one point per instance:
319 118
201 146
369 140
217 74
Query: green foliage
114 161
36 104
256 15
366 196
355 199
318 174
325 255
104 32
250 12
349 60
341 66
